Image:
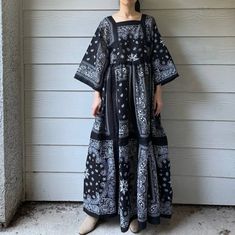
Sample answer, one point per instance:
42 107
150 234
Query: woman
127 167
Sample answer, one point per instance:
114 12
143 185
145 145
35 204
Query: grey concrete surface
64 218
11 155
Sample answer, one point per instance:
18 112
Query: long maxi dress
127 170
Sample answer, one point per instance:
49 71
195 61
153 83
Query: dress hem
87 82
167 80
142 225
99 216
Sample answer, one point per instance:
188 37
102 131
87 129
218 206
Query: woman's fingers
96 109
158 110
155 108
158 107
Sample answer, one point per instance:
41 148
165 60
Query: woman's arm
96 103
97 93
158 103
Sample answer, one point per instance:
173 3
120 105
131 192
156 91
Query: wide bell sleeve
163 67
94 63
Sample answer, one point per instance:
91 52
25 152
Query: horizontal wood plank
203 190
193 78
170 22
181 133
54 186
184 162
113 4
55 158
183 50
189 106
189 190
202 162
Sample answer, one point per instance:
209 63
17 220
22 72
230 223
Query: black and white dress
127 170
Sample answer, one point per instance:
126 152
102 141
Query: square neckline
128 21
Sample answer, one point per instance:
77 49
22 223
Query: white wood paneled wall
198 114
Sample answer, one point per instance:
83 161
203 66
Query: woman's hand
158 103
96 103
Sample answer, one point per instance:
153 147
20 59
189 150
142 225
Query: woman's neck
127 11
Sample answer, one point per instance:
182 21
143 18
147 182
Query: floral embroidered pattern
142 102
130 32
123 186
132 57
94 63
164 69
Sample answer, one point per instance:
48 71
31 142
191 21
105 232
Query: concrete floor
64 218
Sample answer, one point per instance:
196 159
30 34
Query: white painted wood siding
198 113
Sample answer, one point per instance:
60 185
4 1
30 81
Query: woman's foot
134 226
88 224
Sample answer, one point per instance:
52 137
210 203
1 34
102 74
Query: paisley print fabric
127 170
